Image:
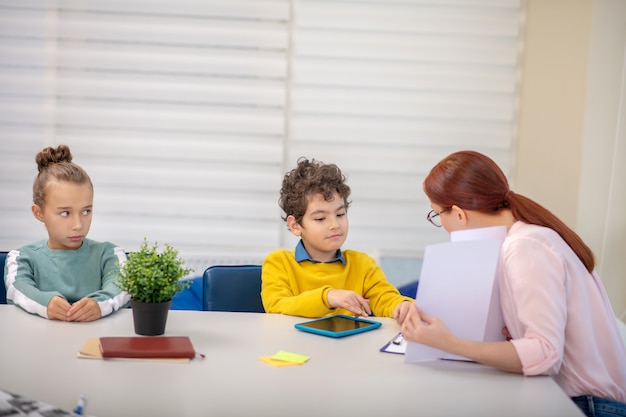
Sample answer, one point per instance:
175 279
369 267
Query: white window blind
175 109
387 88
187 114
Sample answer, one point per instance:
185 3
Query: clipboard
397 345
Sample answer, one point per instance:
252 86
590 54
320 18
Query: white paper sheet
458 285
495 232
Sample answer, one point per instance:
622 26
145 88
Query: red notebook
147 347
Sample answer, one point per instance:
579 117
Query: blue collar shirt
303 255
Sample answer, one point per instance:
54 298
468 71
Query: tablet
338 325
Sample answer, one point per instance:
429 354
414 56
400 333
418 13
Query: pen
80 405
398 339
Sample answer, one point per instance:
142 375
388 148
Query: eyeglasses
434 218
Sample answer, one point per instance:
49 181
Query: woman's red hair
473 181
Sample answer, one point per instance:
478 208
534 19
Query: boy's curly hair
306 180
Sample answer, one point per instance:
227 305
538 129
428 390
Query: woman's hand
351 301
428 330
506 334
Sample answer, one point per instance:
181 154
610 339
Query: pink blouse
559 315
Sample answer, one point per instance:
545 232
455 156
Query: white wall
571 149
602 196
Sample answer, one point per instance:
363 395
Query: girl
66 277
559 319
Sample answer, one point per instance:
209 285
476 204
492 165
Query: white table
344 377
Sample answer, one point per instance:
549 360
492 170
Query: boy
318 278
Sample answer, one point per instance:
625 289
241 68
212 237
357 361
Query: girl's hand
58 308
85 309
351 301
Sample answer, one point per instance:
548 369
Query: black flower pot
150 318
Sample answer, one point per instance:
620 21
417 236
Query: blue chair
233 288
192 297
409 289
3 289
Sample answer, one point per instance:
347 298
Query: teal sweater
34 274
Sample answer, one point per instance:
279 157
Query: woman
558 318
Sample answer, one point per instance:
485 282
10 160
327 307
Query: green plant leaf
151 276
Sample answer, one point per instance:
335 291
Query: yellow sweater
301 289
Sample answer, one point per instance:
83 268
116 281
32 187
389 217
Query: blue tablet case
339 325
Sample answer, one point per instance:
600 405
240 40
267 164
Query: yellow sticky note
290 357
277 363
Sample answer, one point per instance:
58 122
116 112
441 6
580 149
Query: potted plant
152 278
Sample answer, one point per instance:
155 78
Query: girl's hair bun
49 156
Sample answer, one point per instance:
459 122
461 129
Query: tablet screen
338 324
